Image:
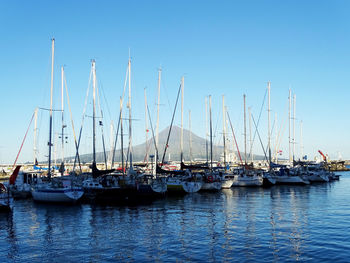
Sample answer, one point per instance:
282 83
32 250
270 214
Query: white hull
192 187
226 183
159 185
247 181
292 179
58 195
213 186
180 186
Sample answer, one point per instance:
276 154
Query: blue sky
221 47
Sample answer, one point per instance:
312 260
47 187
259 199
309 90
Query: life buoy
2 188
210 178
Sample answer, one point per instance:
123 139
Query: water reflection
278 224
7 229
288 220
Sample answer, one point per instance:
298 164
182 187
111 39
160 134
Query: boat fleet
133 183
139 185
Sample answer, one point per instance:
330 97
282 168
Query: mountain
173 150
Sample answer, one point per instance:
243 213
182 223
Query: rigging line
117 133
280 139
82 122
154 139
234 137
39 126
120 115
167 97
71 117
148 147
103 139
48 109
273 127
105 100
262 146
216 130
20 149
111 140
262 106
125 82
171 124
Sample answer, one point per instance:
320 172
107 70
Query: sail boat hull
57 195
248 181
268 180
287 179
159 185
176 185
212 186
226 183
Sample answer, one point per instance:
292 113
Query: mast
121 134
301 140
250 135
275 138
93 113
269 123
224 128
35 131
206 130
62 133
111 141
146 126
189 120
245 132
157 128
51 94
171 125
101 125
75 138
211 135
289 118
55 150
130 124
182 120
294 99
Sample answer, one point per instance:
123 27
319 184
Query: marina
175 131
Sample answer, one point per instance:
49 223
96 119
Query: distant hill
173 150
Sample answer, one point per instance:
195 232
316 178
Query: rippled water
279 224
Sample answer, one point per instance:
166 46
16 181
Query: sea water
277 224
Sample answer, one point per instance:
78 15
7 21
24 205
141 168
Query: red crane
324 157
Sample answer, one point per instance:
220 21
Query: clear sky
221 47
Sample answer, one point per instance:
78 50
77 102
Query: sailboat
227 180
245 176
100 185
58 189
143 185
214 180
183 181
268 180
150 178
288 175
20 183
